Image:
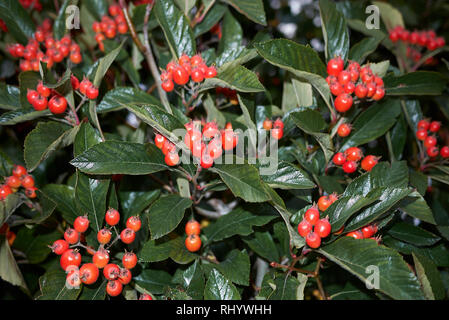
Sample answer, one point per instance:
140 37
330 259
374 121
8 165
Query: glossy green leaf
154 281
415 83
119 157
9 270
391 16
335 31
263 244
361 50
176 28
9 97
34 243
86 137
19 23
193 280
236 267
236 77
97 8
162 249
44 139
212 17
166 213
429 277
238 221
21 115
252 9
119 97
415 205
289 176
53 287
96 291
8 206
356 256
134 202
412 234
282 286
220 288
64 197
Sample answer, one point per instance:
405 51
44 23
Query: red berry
114 288
168 85
92 92
313 240
59 246
210 73
134 223
112 217
343 102
159 140
312 215
336 88
444 152
353 154
210 130
344 77
378 94
27 181
430 141
19 171
432 151
31 192
101 258
324 203
228 139
350 166
344 130
57 104
214 148
145 296
104 236
76 57
40 103
323 228
368 231
267 124
125 276
369 162
13 182
277 133
127 235
180 75
70 258
111 271
339 158
196 60
71 236
85 83
394 36
172 159
304 228
197 75
335 66
421 134
192 227
371 89
355 234
75 82
206 161
192 137
349 88
435 126
165 76
279 124
89 273
423 125
43 90
193 243
129 260
81 224
32 96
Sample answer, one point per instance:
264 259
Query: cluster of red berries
10 236
34 4
206 145
344 83
312 228
89 272
108 27
40 99
419 38
430 141
193 240
366 232
19 178
350 157
228 93
56 51
85 87
187 68
276 129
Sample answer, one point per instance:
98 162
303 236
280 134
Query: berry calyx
71 236
111 271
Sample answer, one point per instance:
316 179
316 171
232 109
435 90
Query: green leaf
412 234
238 221
8 206
19 23
289 176
27 80
398 134
212 17
282 286
119 97
157 250
9 270
220 288
335 31
44 139
154 281
236 267
390 15
232 35
134 202
213 114
373 123
86 137
363 49
157 118
96 291
102 67
193 280
415 206
64 197
53 287
235 77
97 8
303 92
243 180
415 83
90 196
9 97
166 213
21 115
309 120
252 9
59 27
120 157
395 278
176 28
262 243
429 277
34 243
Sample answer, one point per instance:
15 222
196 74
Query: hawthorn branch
146 50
